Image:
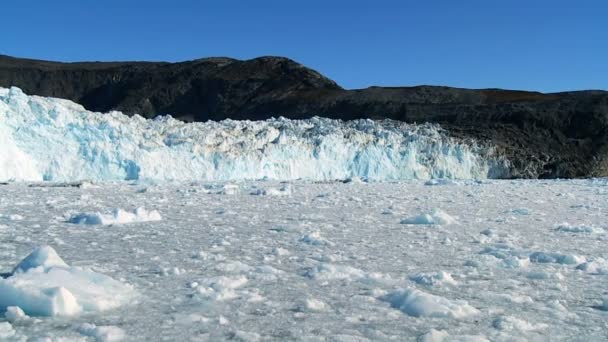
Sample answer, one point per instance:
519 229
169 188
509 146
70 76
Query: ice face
58 140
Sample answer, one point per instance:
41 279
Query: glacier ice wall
57 140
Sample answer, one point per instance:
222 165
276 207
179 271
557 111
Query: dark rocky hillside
544 135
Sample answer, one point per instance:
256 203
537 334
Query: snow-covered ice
325 261
58 140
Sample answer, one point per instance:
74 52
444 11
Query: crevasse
48 139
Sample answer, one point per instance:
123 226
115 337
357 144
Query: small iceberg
44 285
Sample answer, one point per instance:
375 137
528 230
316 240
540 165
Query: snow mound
44 285
417 303
437 216
57 140
117 216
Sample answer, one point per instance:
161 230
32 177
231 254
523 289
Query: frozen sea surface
517 260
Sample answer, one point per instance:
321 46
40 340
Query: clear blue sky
546 45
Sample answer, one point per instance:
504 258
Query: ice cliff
48 139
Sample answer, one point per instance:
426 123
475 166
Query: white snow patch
44 285
417 303
437 216
117 216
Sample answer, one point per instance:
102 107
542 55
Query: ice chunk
437 216
221 288
433 279
315 239
312 304
44 285
14 314
567 228
57 140
102 333
557 258
421 304
325 271
434 336
509 323
6 331
596 266
440 181
117 216
43 257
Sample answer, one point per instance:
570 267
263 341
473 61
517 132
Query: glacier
49 139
